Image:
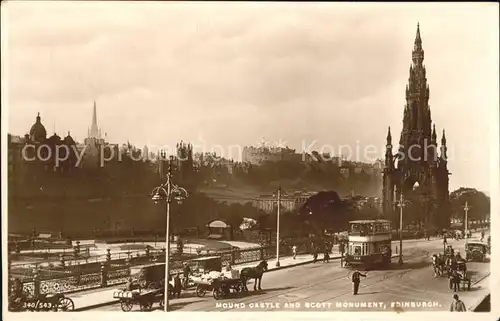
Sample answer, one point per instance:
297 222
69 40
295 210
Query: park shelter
219 230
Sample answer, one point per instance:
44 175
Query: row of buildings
294 201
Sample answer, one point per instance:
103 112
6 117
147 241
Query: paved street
326 286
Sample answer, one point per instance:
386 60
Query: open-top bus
369 243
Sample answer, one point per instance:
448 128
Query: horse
438 264
253 273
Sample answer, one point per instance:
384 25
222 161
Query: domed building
71 161
38 134
36 154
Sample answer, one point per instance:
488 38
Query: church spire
94 130
418 40
434 136
418 52
389 137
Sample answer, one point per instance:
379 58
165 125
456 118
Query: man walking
457 305
356 280
315 254
186 270
294 251
326 257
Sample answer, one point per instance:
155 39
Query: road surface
327 287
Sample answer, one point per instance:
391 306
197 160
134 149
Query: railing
113 269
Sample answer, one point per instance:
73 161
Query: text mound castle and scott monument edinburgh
417 172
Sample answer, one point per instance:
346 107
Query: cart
57 302
206 264
146 287
144 298
476 251
200 267
222 288
149 276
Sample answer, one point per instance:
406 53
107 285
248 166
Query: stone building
289 203
417 172
260 154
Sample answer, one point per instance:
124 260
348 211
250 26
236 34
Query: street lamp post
278 228
168 191
401 204
466 209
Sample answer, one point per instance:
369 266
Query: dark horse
253 273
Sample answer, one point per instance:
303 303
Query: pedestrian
454 282
315 254
457 305
444 240
294 251
356 280
177 285
326 257
482 235
186 270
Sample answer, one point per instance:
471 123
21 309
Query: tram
369 243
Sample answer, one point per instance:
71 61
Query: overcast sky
232 73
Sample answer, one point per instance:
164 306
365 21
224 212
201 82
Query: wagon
225 287
44 302
476 251
146 287
149 276
144 298
202 266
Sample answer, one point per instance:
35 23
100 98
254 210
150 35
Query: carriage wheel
126 306
216 293
65 305
146 306
200 291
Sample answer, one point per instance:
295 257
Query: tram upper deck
369 227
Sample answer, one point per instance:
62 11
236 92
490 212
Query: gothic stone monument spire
417 171
94 129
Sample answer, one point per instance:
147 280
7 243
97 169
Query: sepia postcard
249 157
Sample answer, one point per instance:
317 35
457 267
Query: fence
113 270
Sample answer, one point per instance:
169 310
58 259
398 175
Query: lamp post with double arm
168 192
466 226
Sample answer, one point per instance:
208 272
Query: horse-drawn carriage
222 288
56 302
201 268
476 251
19 300
145 287
210 277
458 277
